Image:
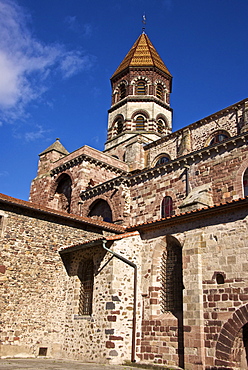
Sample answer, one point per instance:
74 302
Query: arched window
86 276
63 193
119 126
140 123
122 91
160 126
171 277
166 207
141 88
101 210
160 92
218 137
245 183
162 160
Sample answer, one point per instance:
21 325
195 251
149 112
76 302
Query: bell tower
140 111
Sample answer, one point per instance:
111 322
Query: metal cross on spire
144 23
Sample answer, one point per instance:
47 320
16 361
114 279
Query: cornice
201 122
84 157
138 99
168 167
102 188
129 69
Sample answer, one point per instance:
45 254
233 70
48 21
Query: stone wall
214 311
138 199
86 168
198 135
34 282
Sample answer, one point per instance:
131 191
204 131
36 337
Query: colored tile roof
69 216
219 207
88 243
142 54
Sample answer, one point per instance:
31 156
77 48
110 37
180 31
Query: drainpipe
104 242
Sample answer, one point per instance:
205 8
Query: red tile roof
194 213
97 241
85 220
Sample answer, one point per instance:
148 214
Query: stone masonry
139 252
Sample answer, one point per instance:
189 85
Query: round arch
101 210
160 157
217 137
161 257
238 182
227 340
158 201
118 124
61 192
140 112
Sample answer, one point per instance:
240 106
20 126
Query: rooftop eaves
5 199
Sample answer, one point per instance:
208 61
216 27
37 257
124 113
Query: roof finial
144 23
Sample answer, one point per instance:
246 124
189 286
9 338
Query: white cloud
36 132
39 133
84 30
26 63
72 63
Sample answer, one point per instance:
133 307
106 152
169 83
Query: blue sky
56 58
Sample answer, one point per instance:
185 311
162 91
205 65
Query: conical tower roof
57 146
142 54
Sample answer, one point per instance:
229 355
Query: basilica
137 253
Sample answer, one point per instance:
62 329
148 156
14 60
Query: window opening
86 290
122 91
245 341
63 193
140 123
119 126
101 210
159 91
171 278
42 351
162 160
218 138
141 88
167 207
160 126
220 279
245 183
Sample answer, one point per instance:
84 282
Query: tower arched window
245 183
166 207
160 126
123 91
141 88
160 92
119 126
140 123
86 276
